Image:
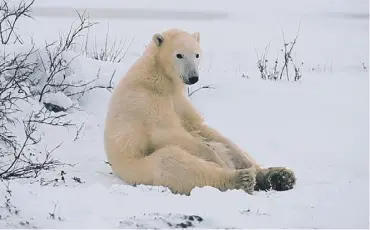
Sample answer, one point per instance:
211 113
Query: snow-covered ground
319 127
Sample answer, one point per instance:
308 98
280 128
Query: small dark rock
181 225
194 217
54 108
189 224
77 179
185 225
198 218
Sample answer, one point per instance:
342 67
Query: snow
318 127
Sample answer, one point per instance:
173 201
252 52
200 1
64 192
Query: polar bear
154 136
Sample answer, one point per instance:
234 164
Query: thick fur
154 135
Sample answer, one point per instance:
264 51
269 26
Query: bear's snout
193 79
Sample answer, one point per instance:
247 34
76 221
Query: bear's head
179 55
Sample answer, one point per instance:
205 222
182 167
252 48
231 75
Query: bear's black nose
193 79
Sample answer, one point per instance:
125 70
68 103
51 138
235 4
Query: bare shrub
15 72
115 52
27 164
25 79
55 67
280 70
14 76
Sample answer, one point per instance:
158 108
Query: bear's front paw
246 179
276 178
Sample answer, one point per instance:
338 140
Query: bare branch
190 93
9 17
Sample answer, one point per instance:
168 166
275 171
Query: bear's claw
246 179
276 178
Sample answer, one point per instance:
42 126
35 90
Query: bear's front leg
240 158
276 178
192 145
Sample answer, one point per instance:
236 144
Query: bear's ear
196 35
158 39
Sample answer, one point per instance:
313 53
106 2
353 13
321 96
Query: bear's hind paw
276 178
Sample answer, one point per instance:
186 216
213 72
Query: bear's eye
179 56
197 55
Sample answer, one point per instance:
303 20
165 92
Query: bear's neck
156 80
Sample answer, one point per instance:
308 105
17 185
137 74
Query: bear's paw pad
280 179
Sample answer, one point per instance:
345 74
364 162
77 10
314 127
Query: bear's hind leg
180 171
277 178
